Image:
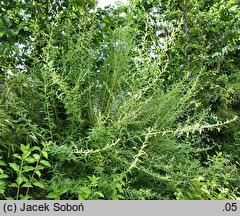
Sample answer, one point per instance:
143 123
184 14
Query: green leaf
38 173
30 159
2 190
1 33
27 184
19 180
45 154
2 183
62 191
45 163
17 156
24 148
40 167
93 180
9 198
2 163
36 156
3 176
14 166
25 179
13 185
39 184
26 154
35 148
26 197
28 168
54 195
85 193
99 194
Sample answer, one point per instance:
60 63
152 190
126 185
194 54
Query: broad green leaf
45 163
14 166
17 156
39 184
3 176
2 163
2 183
24 148
54 195
13 185
84 194
27 184
26 154
45 154
30 159
38 173
19 180
40 167
36 156
25 179
62 190
35 148
28 168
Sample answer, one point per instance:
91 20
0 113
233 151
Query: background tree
120 103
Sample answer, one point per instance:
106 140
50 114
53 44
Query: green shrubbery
109 120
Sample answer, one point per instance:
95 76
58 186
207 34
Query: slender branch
92 151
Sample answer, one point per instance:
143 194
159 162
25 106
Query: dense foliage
129 102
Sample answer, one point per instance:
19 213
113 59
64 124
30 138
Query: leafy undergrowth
90 121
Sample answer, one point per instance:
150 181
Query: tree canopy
135 101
